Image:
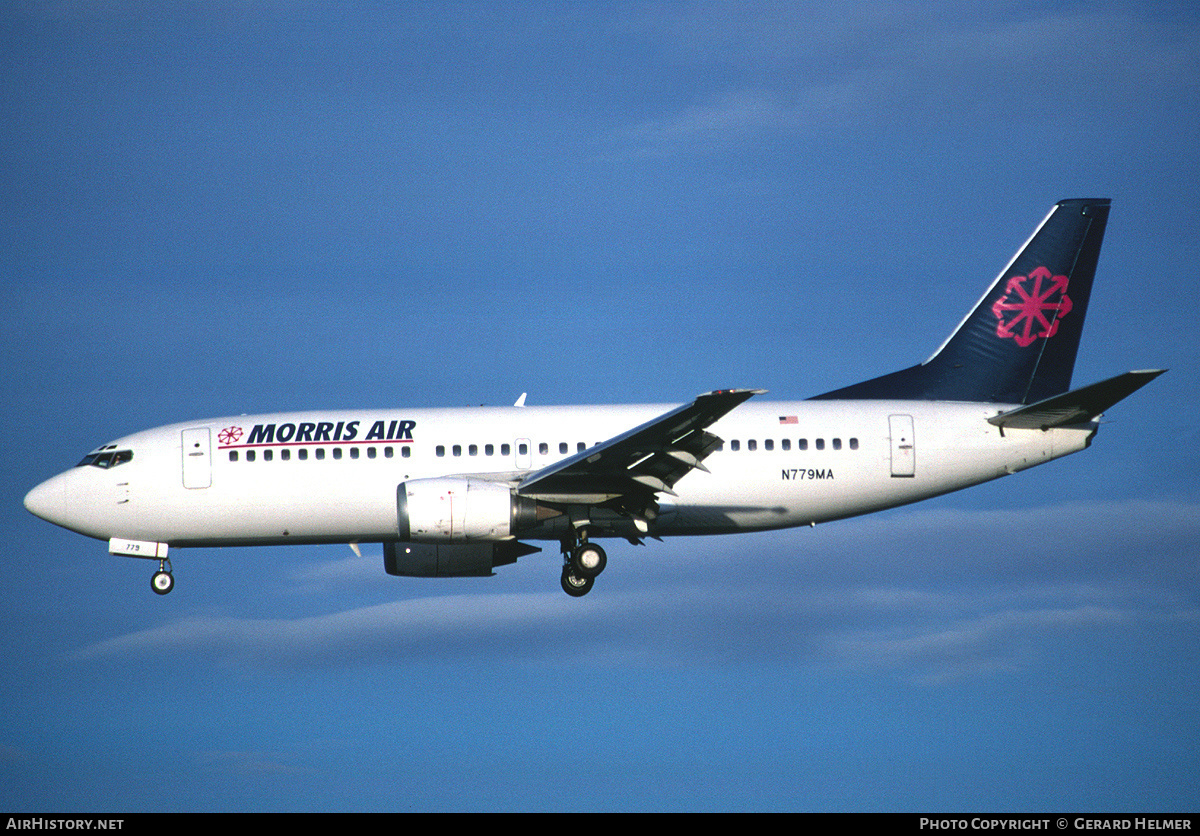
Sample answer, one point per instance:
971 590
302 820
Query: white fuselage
332 477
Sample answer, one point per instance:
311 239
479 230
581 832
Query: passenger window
405 452
303 454
785 444
735 445
854 444
268 455
456 449
285 454
769 444
488 449
233 455
543 448
439 451
837 444
320 452
802 444
249 455
473 450
505 449
337 452
354 452
370 452
580 447
522 449
752 445
562 447
820 442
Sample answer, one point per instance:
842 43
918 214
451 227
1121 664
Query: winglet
521 400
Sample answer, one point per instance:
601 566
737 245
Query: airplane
460 492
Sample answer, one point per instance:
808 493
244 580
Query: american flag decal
787 419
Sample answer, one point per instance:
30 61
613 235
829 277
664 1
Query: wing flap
646 460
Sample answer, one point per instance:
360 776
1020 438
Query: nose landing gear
163 581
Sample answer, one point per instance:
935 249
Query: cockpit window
107 459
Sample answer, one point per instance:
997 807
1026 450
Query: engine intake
459 509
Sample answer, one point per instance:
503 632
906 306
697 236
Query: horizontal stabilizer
1076 406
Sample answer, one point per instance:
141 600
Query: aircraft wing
1076 406
641 462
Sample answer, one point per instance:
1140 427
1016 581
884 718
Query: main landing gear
582 563
163 581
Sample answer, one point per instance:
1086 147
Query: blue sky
231 207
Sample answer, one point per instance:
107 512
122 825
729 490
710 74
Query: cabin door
904 450
197 458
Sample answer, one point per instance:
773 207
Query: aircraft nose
48 500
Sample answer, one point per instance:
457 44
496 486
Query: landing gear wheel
162 582
588 560
576 585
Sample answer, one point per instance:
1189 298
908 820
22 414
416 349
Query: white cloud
928 596
709 125
350 636
946 650
822 70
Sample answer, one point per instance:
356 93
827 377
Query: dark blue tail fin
1019 343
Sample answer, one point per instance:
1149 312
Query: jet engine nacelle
445 560
460 509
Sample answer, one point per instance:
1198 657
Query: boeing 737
459 492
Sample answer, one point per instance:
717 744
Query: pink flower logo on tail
1031 307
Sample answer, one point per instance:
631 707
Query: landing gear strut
163 581
582 563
